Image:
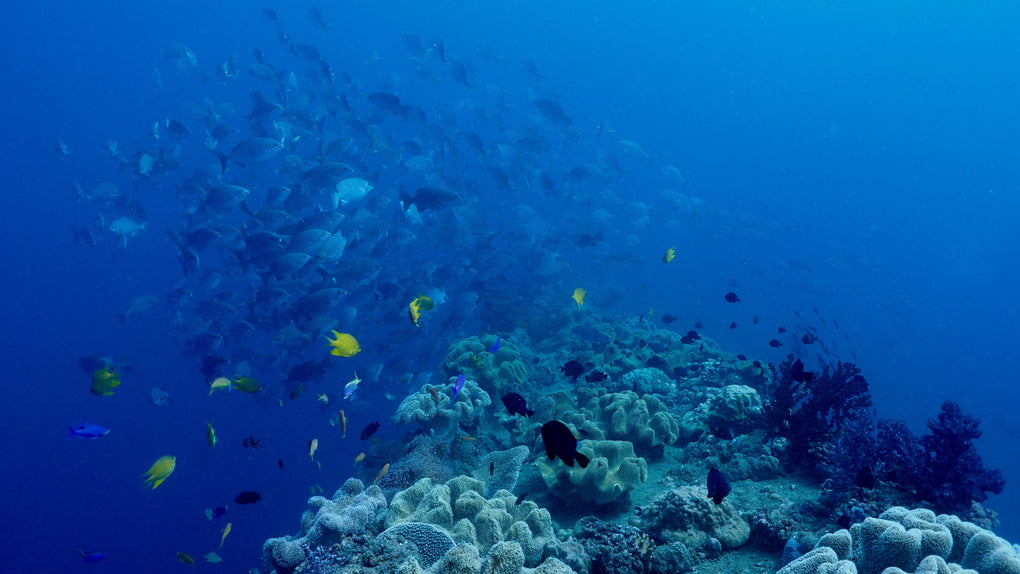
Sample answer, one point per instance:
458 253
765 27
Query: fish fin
581 460
71 434
528 412
568 460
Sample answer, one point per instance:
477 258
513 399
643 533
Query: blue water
857 159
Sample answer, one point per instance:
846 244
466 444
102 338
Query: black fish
755 319
560 442
369 430
252 442
572 369
516 404
699 325
718 486
690 337
775 343
741 357
808 338
667 319
596 377
279 463
865 478
731 297
781 329
492 468
248 497
218 511
521 497
798 373
733 325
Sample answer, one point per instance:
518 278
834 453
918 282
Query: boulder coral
733 407
352 510
431 407
688 515
643 421
496 373
614 469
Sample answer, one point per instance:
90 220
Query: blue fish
86 430
495 346
457 387
92 556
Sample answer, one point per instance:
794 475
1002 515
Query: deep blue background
876 146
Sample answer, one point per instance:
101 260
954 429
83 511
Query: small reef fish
223 537
343 423
246 385
560 442
417 306
212 558
104 381
495 346
313 446
578 297
798 373
435 394
160 470
369 430
186 558
775 343
248 497
92 556
382 472
731 297
457 386
322 398
351 386
219 384
516 404
359 458
86 430
210 434
344 345
214 513
718 486
669 255
572 369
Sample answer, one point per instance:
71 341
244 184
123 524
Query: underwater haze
222 191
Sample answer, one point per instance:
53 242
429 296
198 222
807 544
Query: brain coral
431 407
430 543
352 510
614 469
499 469
460 508
687 515
643 421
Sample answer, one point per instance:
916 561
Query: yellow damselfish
104 381
186 558
669 255
247 385
210 434
219 384
344 345
226 531
160 470
579 296
419 305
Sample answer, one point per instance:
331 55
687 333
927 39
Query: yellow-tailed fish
246 385
322 398
210 434
467 437
382 472
213 558
359 458
419 305
219 384
344 345
186 558
343 423
104 381
669 255
579 297
312 447
226 531
160 470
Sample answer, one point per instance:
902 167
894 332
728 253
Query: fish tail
71 434
581 459
528 412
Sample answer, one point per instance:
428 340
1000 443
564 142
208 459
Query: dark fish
516 404
731 297
596 377
718 486
755 319
775 343
521 497
733 325
369 430
560 442
279 463
219 511
741 357
492 468
690 337
781 329
798 373
248 497
251 442
667 319
572 369
808 338
865 478
92 556
699 325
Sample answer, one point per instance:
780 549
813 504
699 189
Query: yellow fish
312 447
247 385
467 437
219 384
322 398
185 558
226 531
359 458
210 434
579 296
104 381
343 422
669 255
419 305
160 470
381 472
344 345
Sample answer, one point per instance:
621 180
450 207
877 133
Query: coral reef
614 548
614 469
430 543
499 469
432 409
496 373
644 421
688 515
